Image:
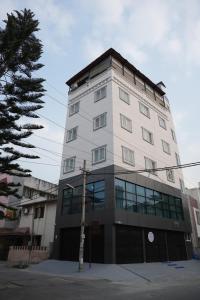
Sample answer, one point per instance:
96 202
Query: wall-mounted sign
151 237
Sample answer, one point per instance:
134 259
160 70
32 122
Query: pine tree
20 92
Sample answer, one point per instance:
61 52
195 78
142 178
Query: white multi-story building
120 122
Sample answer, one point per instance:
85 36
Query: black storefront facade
130 218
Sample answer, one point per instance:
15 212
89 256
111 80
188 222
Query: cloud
56 21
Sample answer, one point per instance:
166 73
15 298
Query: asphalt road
18 284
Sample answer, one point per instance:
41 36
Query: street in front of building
61 280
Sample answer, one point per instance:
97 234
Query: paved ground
60 280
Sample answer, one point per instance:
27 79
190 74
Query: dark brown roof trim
115 54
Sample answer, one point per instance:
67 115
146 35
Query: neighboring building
194 208
34 211
119 121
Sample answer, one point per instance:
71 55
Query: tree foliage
20 91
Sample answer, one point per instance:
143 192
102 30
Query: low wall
27 255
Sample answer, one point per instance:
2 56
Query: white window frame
126 154
173 135
124 96
162 123
144 110
102 120
126 123
182 185
100 93
197 215
151 141
72 134
74 108
170 172
69 168
101 149
178 161
150 164
164 145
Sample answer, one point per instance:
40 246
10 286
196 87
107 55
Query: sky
160 37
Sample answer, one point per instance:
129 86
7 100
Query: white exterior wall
197 225
42 226
88 139
113 135
134 140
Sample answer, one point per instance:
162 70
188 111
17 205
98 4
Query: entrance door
129 247
155 245
176 245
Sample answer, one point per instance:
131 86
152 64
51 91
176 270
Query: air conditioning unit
25 211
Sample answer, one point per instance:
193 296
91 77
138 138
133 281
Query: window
124 96
178 162
173 135
95 194
166 147
188 237
99 155
144 110
99 121
39 212
95 198
182 186
100 94
74 108
162 122
151 165
128 156
147 136
126 123
170 175
69 164
72 134
198 216
135 198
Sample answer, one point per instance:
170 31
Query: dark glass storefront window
136 198
95 198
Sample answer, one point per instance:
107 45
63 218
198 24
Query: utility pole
32 235
82 231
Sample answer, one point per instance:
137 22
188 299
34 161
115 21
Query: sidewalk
137 274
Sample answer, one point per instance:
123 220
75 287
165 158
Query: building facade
194 208
120 122
32 215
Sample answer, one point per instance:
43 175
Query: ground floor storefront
131 245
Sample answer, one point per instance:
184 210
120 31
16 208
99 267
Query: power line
103 128
188 165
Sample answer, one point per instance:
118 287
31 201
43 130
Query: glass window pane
165 198
130 187
120 184
140 190
121 203
150 201
131 197
157 195
173 215
178 202
149 193
150 210
159 212
99 199
90 187
99 186
166 214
